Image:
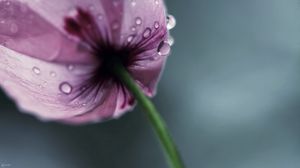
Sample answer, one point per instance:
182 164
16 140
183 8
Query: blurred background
230 93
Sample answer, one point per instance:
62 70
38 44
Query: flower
56 56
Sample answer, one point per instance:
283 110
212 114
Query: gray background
230 94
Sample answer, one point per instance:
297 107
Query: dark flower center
84 27
109 57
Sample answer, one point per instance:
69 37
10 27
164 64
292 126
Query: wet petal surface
59 56
25 31
49 90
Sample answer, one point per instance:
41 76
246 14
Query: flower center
84 26
109 57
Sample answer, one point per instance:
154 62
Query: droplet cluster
163 48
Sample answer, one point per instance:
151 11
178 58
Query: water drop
53 74
156 2
171 22
36 70
171 40
164 48
72 12
138 21
65 87
133 28
156 25
133 3
147 33
130 38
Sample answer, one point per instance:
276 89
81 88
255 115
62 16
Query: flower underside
107 55
67 72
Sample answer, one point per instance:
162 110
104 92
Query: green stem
153 115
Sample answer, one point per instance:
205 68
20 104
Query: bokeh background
230 93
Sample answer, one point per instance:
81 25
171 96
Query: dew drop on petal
52 74
138 21
133 28
156 2
171 22
171 40
133 3
130 38
156 25
36 70
164 48
72 12
65 87
147 33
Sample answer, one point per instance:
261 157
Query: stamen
84 26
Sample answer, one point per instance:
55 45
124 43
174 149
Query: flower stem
153 115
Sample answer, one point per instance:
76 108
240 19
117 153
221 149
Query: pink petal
25 31
54 83
140 16
55 11
115 105
147 74
52 91
144 25
107 12
114 12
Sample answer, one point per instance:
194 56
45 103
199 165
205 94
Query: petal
54 91
50 96
25 31
107 12
113 10
55 11
144 27
142 18
117 103
147 73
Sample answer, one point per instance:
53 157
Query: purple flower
56 57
